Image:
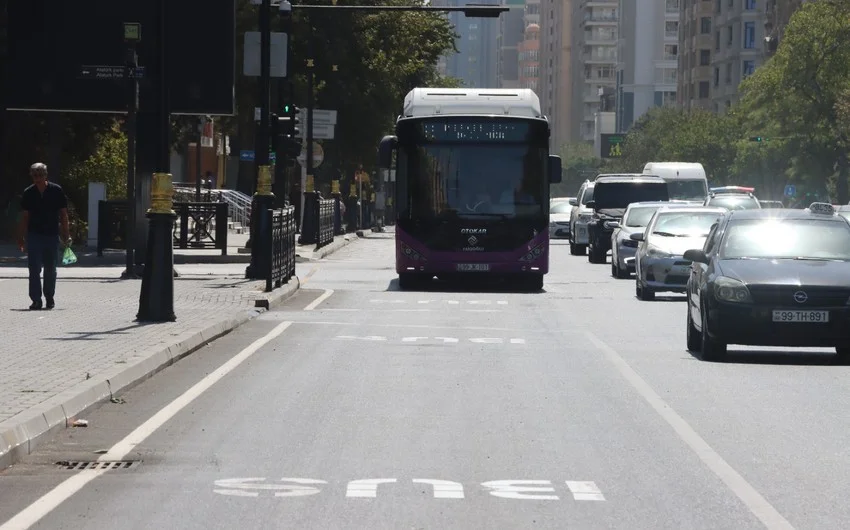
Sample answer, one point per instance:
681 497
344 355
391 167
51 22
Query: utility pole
132 35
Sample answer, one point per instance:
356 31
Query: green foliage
579 164
107 164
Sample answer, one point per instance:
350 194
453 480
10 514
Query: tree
107 164
799 93
579 163
668 134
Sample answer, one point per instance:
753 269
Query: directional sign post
109 73
790 190
324 123
248 156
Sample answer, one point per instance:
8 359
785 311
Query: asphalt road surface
360 406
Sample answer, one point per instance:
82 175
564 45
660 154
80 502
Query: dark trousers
42 252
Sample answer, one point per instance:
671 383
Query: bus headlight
534 253
409 253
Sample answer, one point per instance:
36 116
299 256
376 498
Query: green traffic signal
756 138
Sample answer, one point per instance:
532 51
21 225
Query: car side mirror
637 236
612 225
696 255
555 168
591 204
573 202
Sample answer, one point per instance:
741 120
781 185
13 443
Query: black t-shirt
44 208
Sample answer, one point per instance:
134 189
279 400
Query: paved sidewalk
55 364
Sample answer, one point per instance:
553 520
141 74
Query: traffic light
756 138
293 147
292 112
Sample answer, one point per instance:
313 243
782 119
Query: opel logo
800 297
472 240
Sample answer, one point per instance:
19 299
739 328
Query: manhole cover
117 465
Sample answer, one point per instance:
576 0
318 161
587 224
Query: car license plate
788 315
473 267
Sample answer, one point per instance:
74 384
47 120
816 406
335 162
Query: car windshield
741 202
639 217
687 190
684 224
787 239
561 207
588 196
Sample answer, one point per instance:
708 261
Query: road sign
251 54
611 145
320 116
318 155
248 156
110 72
790 190
320 131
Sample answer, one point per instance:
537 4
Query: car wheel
710 349
622 274
693 336
643 293
577 250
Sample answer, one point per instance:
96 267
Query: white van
686 181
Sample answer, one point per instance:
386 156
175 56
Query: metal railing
238 203
325 227
111 225
280 246
201 225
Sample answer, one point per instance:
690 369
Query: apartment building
647 55
511 32
739 47
594 57
555 86
529 58
777 15
476 62
696 48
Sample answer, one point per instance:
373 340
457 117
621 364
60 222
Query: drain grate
121 465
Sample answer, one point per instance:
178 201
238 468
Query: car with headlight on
771 278
660 264
579 217
623 247
559 217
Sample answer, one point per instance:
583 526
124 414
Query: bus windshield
475 169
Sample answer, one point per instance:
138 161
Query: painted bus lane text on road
538 490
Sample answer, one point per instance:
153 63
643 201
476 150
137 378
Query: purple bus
472 180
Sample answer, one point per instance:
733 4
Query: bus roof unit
521 102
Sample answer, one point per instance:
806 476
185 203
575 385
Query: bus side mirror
554 169
385 152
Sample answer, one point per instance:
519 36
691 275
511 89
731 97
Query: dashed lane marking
315 303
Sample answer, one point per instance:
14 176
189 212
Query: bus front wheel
533 282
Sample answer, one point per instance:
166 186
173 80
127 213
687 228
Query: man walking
44 208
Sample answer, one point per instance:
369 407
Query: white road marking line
487 340
274 316
413 339
585 491
296 490
52 499
517 341
324 296
757 504
521 489
366 487
443 489
447 340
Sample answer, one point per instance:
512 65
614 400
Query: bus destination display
475 131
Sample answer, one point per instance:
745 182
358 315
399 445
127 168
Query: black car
611 196
771 278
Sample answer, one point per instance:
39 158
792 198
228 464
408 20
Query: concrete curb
337 244
21 434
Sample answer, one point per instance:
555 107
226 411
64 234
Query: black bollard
337 197
156 301
260 225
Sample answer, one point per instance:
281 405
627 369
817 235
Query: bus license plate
473 267
782 315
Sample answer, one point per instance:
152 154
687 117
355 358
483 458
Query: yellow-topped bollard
162 194
335 186
264 181
352 190
310 185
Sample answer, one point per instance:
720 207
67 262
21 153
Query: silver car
659 261
623 247
579 217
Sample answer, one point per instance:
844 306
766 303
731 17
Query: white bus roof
522 102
